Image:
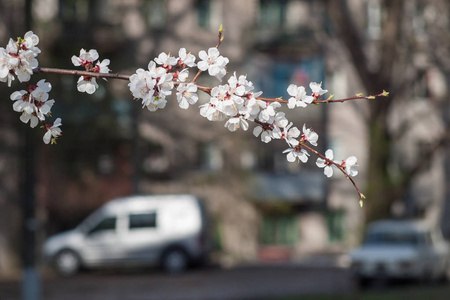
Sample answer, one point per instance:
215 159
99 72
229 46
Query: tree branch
81 73
348 32
424 159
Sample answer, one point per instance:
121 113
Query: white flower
253 107
186 58
30 42
152 86
210 111
220 92
290 135
183 75
317 90
40 97
296 152
298 96
281 120
187 94
41 91
213 62
103 66
230 107
19 96
87 84
271 129
350 165
52 132
19 58
156 103
25 68
247 84
23 102
222 69
7 62
166 60
322 163
268 111
27 62
27 117
34 106
12 47
44 109
225 103
85 58
235 87
235 123
141 84
9 79
164 86
310 135
265 133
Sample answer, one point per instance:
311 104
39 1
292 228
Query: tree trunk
379 185
379 190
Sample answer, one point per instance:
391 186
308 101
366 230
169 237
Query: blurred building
263 207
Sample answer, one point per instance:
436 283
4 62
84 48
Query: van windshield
393 238
90 221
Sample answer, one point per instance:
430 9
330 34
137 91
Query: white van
165 230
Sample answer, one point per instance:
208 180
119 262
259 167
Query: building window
424 149
156 14
418 20
204 13
373 20
74 10
335 221
217 240
272 13
279 230
282 72
299 14
420 87
146 220
248 160
211 157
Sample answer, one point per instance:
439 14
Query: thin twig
81 73
272 99
361 195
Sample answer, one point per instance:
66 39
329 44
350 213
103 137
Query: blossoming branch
236 102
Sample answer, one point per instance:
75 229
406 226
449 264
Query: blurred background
263 208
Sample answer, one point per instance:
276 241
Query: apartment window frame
279 230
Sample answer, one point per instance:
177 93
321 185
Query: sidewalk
316 260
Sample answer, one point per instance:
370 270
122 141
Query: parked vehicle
169 230
400 249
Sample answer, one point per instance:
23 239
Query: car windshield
393 238
90 221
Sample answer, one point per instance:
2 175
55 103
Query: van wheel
174 260
67 263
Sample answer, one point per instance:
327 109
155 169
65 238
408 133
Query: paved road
253 282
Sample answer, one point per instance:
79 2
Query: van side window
108 223
146 220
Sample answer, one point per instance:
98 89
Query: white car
401 249
169 230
